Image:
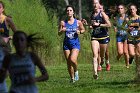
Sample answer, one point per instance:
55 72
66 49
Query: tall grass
31 16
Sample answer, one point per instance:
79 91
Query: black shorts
102 41
134 42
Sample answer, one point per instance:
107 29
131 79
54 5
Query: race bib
121 33
97 31
19 78
70 35
134 33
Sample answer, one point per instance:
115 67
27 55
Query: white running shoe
72 81
76 78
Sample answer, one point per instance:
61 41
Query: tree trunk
67 2
80 10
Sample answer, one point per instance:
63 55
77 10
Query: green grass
117 80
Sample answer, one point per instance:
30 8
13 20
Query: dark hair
32 40
129 8
71 7
133 5
121 5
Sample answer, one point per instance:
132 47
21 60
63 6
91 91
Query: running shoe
76 78
107 67
95 76
99 68
72 81
118 58
127 66
102 62
131 60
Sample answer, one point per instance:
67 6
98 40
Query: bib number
19 79
134 33
122 33
70 35
97 31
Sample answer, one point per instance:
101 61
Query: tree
80 9
67 2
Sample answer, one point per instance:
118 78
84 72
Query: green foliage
31 17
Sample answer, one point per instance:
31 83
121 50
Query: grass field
118 80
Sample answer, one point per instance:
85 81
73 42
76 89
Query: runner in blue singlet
71 37
121 34
71 45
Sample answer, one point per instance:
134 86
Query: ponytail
32 40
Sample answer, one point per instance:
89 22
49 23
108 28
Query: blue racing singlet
20 70
71 37
71 30
3 87
4 31
121 32
99 32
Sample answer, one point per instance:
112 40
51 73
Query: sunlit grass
118 80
